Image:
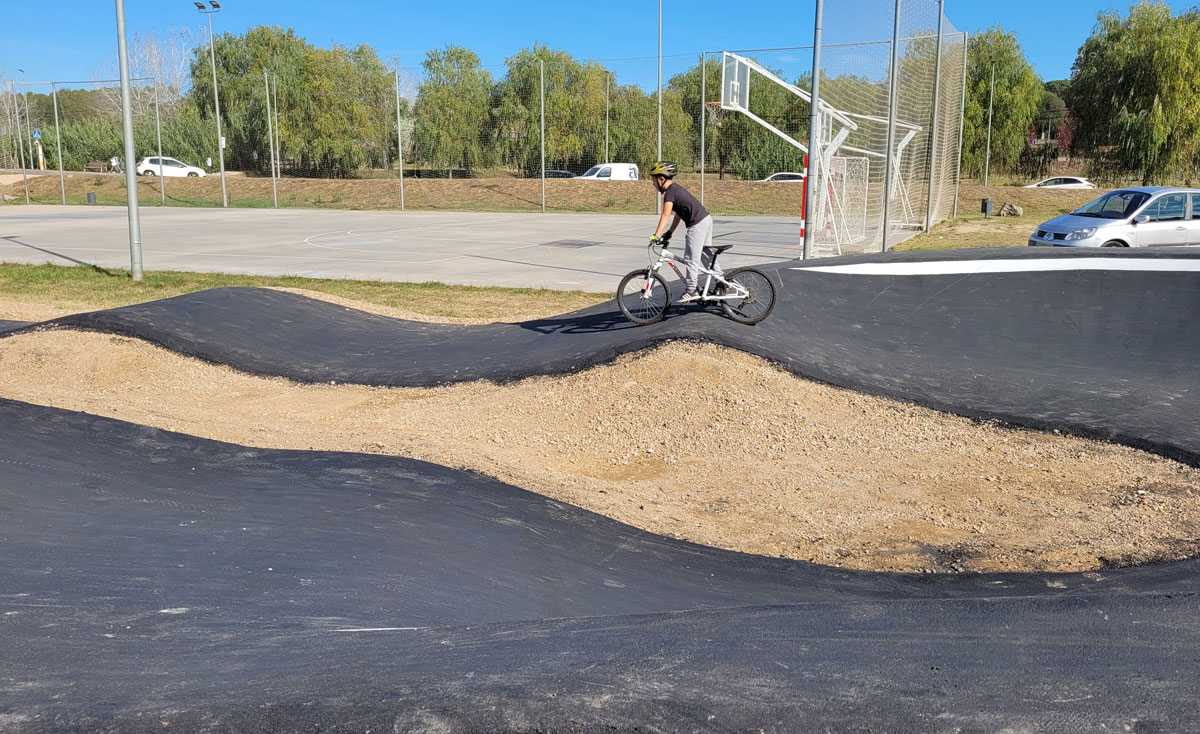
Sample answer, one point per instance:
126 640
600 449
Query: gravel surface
692 441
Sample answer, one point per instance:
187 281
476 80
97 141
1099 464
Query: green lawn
90 288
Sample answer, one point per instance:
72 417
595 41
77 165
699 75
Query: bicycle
746 295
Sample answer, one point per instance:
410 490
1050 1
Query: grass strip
92 288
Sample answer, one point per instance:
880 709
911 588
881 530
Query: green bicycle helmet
664 168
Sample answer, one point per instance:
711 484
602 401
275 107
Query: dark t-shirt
688 207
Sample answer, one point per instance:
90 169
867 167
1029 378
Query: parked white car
170 167
1063 182
1144 216
611 172
783 176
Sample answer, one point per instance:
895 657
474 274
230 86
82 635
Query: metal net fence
542 132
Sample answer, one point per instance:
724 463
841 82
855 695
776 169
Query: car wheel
147 173
193 174
1114 243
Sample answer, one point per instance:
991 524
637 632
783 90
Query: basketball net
716 114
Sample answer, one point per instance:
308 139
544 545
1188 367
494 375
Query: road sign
37 134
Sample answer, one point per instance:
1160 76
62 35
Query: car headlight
1081 234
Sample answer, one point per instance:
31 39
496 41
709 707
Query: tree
1135 91
574 111
453 110
164 58
1051 112
1058 87
336 104
1018 93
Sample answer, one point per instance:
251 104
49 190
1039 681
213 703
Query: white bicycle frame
732 290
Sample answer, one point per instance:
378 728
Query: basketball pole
814 122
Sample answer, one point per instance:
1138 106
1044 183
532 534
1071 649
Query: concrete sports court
560 251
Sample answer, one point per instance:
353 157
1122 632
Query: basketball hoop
716 114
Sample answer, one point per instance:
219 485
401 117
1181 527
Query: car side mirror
1141 219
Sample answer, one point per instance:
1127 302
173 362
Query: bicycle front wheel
759 300
643 297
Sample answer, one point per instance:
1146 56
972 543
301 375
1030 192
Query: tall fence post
890 165
399 141
20 142
933 134
271 138
658 199
660 80
278 132
162 180
542 94
812 173
987 157
62 181
703 117
962 115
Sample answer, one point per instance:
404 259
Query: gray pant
699 236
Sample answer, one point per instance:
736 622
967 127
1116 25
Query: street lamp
212 55
131 192
987 160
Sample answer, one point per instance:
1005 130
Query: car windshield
1114 205
592 171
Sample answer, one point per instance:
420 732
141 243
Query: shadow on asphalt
588 323
97 268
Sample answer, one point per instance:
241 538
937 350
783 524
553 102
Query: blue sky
73 45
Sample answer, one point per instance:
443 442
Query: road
558 251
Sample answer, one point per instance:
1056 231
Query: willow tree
1018 93
574 93
335 103
1135 90
453 111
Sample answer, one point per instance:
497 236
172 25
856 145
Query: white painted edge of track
979 267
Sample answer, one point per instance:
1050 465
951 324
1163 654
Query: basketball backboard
735 83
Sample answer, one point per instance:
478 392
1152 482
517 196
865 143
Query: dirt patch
13 310
769 464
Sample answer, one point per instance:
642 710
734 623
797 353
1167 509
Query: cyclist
679 202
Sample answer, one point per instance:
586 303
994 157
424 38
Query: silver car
1145 216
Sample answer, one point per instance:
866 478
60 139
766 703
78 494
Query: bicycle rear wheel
759 302
643 297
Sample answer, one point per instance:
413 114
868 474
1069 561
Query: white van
612 172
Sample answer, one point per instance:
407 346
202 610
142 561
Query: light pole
131 193
212 55
987 158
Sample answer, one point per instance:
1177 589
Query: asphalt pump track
158 581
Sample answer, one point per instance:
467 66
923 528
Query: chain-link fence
542 132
